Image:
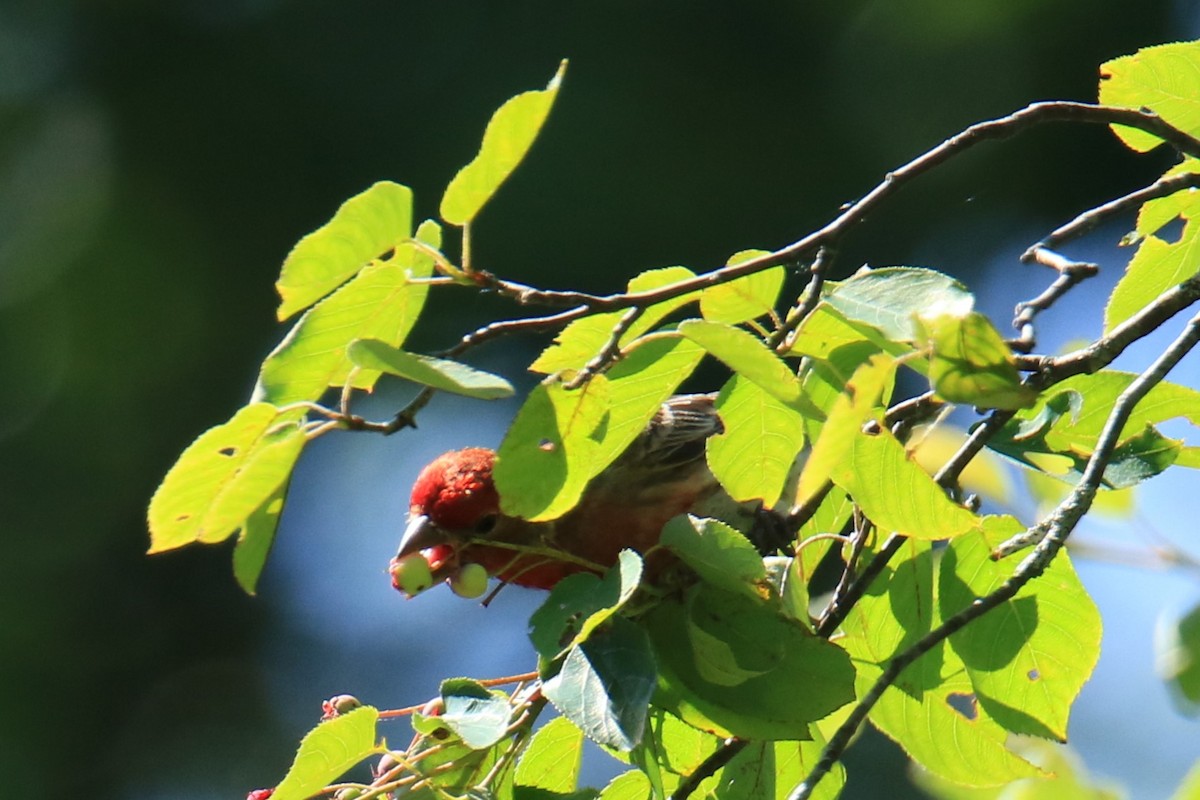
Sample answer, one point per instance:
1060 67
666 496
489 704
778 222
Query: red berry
260 794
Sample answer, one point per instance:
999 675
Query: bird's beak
420 534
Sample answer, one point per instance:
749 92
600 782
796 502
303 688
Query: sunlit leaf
546 458
896 494
1156 267
754 455
438 373
605 684
1164 79
477 716
1064 778
509 135
1029 658
551 762
971 364
632 785
984 475
745 298
327 752
224 477
931 710
1189 789
890 297
366 227
381 302
745 354
580 341
1156 213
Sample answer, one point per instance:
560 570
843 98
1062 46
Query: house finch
455 519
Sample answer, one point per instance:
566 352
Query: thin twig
611 350
1059 526
708 767
1070 273
781 339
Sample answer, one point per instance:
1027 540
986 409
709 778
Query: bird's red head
456 490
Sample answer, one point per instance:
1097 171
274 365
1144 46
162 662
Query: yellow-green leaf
438 373
1185 203
509 135
763 436
327 752
1164 79
224 477
546 457
745 298
1157 266
366 227
970 363
745 354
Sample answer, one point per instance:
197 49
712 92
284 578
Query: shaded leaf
381 302
580 603
720 555
509 135
754 456
547 456
731 665
1164 79
224 477
970 363
254 542
745 298
327 752
888 298
439 373
605 684
366 227
1029 658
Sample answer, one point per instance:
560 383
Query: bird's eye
486 524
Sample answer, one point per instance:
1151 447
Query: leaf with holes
1164 79
510 133
225 477
931 710
546 457
381 302
1029 658
366 227
327 752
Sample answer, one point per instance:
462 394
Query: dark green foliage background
685 131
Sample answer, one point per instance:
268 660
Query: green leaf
631 785
366 227
551 762
477 716
638 386
224 477
1156 267
327 752
381 302
931 710
580 603
1189 789
745 298
754 456
439 373
1029 658
1156 213
580 341
733 666
1065 778
970 363
1177 657
867 391
745 354
896 494
547 456
509 135
1164 79
254 543
770 770
605 684
720 555
890 297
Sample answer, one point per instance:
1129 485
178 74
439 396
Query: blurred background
158 160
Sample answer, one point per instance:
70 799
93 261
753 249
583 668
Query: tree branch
1058 526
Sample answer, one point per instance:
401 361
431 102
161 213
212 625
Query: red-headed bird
455 519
